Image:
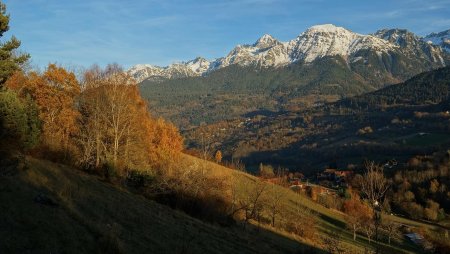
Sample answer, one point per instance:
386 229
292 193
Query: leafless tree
253 200
369 229
274 202
247 196
302 222
390 228
374 184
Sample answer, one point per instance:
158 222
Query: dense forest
236 90
398 121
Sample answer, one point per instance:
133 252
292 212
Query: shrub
18 120
138 179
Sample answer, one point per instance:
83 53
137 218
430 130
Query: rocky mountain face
441 39
389 54
413 46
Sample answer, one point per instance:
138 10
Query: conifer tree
19 122
10 59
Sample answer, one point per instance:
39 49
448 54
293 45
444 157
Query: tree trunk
127 141
116 146
97 149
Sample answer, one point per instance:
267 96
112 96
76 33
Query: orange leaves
117 127
61 79
358 214
357 209
103 121
54 92
17 82
167 136
218 156
165 143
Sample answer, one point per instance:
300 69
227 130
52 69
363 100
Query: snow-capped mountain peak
199 65
321 40
316 42
266 41
441 39
400 37
327 28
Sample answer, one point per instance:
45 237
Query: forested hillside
324 64
235 90
426 88
381 125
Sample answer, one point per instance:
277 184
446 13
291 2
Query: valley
324 64
327 141
396 122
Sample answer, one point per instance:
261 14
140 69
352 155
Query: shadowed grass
91 216
329 221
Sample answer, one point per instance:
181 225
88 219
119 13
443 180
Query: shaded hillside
323 64
426 88
382 125
236 90
50 208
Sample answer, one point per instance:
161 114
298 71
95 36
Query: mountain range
388 45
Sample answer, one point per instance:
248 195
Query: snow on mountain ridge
321 40
266 41
441 39
199 65
316 42
413 45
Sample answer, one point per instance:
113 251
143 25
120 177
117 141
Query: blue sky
84 32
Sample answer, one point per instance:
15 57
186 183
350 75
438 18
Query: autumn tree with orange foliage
117 129
358 214
166 143
101 122
91 133
113 120
218 156
55 93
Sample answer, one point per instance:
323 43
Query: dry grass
91 216
329 221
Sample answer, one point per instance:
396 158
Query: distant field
426 139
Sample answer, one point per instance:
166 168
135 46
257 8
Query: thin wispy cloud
161 31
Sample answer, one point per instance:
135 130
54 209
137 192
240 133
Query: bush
138 179
19 121
414 210
109 170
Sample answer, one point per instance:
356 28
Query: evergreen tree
10 59
19 122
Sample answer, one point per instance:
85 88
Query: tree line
99 122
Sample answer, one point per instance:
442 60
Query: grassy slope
329 221
93 216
